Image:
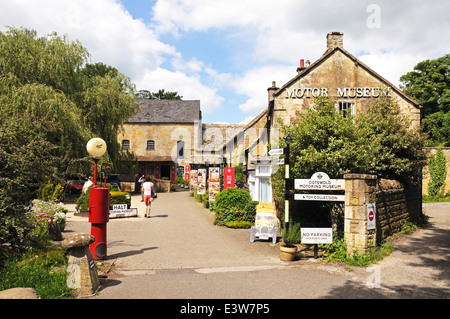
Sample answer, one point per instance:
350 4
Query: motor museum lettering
348 92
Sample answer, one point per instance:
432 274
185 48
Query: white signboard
319 181
120 213
317 235
320 197
371 216
279 161
276 151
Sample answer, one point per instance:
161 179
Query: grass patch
436 198
45 271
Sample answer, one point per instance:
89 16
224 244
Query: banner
193 180
228 177
213 183
201 181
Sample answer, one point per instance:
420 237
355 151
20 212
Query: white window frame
347 103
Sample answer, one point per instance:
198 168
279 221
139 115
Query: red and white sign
228 177
187 171
371 216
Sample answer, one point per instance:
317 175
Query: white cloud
189 87
255 82
113 37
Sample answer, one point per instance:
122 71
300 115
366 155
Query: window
150 145
347 108
125 145
150 170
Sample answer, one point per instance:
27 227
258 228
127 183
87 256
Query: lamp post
98 203
287 181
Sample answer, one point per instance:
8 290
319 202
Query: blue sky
226 53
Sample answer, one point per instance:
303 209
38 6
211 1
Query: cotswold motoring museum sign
354 92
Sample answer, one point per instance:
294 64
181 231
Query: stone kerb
82 276
359 191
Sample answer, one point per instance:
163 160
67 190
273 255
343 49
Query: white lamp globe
96 147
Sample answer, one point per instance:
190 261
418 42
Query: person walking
141 181
147 187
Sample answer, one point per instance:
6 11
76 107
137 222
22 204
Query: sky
226 53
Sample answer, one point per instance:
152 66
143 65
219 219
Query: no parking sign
370 216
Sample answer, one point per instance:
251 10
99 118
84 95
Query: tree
51 103
379 142
429 84
160 95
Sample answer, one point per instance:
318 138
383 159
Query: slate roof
167 111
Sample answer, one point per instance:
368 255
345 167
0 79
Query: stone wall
394 204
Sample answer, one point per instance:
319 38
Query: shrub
119 198
239 224
250 211
232 197
438 172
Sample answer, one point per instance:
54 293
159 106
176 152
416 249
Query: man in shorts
147 191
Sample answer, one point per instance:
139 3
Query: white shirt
86 186
147 186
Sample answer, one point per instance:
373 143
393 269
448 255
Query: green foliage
51 103
160 95
429 84
44 271
233 204
337 252
438 172
119 198
292 234
239 224
232 197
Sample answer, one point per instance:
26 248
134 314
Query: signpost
319 181
276 151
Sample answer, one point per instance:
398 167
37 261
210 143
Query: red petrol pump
98 217
98 204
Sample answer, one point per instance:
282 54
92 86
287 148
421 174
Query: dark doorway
165 171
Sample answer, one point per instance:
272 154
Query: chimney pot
302 63
308 63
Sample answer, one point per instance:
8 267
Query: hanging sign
228 177
187 170
319 181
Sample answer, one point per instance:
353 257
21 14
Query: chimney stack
272 90
301 67
335 39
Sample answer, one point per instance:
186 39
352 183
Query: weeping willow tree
52 101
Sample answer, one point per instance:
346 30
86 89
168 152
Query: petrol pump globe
96 147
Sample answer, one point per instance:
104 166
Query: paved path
179 253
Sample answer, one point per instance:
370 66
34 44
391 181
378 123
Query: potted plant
291 236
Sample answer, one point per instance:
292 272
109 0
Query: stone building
336 74
161 135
